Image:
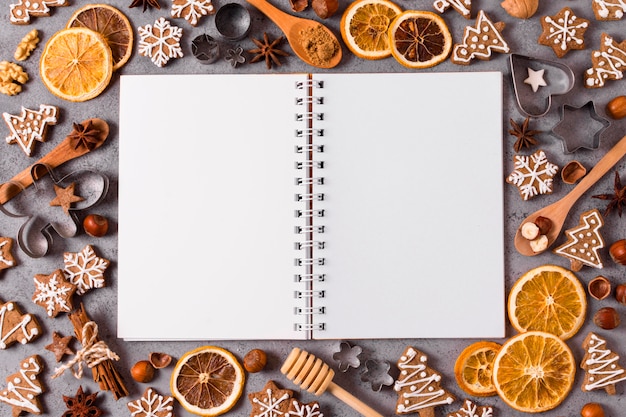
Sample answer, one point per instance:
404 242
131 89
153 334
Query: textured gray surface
16 283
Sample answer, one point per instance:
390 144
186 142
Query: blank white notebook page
413 206
206 216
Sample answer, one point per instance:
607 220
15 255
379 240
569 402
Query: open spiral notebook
325 206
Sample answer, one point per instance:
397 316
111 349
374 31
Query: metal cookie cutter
536 80
348 356
580 127
232 21
205 49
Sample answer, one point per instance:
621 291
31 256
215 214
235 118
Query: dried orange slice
207 381
76 64
548 298
474 366
534 371
364 27
110 23
419 39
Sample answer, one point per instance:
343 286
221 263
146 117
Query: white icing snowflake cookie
160 42
563 32
54 293
533 174
30 126
608 9
192 10
480 41
85 269
471 409
152 404
462 6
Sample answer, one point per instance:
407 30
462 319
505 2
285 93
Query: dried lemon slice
207 381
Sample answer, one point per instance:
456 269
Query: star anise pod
84 135
268 50
525 136
145 4
82 405
617 200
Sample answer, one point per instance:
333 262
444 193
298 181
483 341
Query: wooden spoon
293 27
62 153
557 211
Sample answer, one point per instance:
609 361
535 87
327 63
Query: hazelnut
544 224
530 230
522 9
620 293
255 360
616 108
606 318
592 410
159 360
96 225
142 371
618 252
599 288
540 244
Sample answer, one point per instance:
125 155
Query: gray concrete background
16 284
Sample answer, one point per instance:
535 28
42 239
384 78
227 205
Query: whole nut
96 225
522 9
530 230
592 410
606 318
142 371
620 293
255 360
618 252
616 108
544 224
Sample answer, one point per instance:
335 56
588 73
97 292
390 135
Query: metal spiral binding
309 242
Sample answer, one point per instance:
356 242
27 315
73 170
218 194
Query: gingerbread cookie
271 401
21 12
607 63
30 126
152 404
6 256
160 42
60 346
584 242
602 370
85 269
418 386
563 32
54 293
462 6
192 10
533 174
65 197
471 409
608 9
480 41
23 387
15 326
298 409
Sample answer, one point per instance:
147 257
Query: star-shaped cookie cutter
580 127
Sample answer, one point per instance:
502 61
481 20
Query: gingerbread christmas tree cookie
462 6
6 256
418 386
608 9
606 63
584 242
23 387
15 326
602 370
480 41
30 126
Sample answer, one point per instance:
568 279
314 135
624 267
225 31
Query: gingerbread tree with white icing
602 370
23 387
607 63
584 242
418 386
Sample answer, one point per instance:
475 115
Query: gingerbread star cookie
271 401
60 346
152 404
85 269
54 293
65 197
23 387
480 41
15 326
30 126
6 257
192 10
471 409
533 174
298 409
563 32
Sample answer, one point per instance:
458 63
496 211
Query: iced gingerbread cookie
192 10
6 256
462 6
563 32
607 63
584 242
23 387
30 126
533 174
298 409
418 386
470 409
85 269
54 293
600 364
21 12
271 401
480 41
15 326
608 9
152 404
160 42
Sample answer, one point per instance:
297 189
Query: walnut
26 45
522 9
12 76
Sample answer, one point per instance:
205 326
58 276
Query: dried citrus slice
534 371
364 27
76 64
548 298
207 381
474 366
110 23
419 39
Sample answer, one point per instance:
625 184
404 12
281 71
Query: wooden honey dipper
313 375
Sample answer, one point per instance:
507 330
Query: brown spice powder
319 45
